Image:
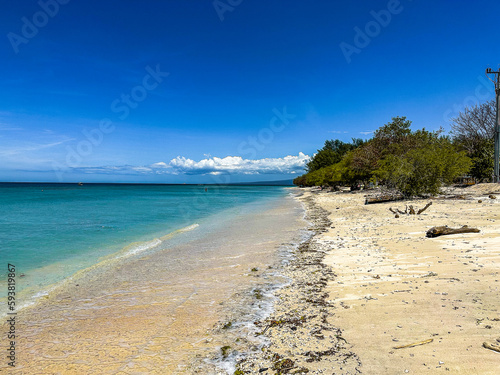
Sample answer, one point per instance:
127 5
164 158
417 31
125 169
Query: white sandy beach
392 287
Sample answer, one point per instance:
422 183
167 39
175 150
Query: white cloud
238 165
290 164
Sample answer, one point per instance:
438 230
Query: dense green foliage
332 152
414 162
433 161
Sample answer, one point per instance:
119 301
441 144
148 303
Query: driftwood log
444 230
383 198
492 346
409 210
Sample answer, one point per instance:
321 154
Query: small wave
139 248
188 228
182 230
133 249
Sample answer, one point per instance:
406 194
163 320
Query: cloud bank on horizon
235 165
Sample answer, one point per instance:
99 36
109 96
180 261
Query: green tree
414 162
424 169
332 152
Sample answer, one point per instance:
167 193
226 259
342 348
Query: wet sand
385 285
162 313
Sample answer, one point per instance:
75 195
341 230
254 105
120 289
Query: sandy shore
367 283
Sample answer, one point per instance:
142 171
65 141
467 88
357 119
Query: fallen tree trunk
445 230
383 198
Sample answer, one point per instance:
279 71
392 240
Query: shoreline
156 313
384 286
301 336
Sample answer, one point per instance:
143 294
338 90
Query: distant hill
267 183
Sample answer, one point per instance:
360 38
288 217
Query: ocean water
143 279
52 231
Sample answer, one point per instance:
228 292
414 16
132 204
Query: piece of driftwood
396 211
414 344
444 230
383 198
409 210
425 208
493 347
457 196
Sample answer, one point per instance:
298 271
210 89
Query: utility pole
496 176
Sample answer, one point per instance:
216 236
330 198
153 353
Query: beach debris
294 322
227 325
315 356
225 350
491 196
383 198
414 344
445 230
492 346
255 269
257 293
301 370
430 274
457 196
409 210
283 366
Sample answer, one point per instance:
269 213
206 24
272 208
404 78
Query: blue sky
227 90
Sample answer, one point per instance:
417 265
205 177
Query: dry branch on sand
409 210
444 230
414 344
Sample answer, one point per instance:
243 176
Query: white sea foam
31 298
188 228
136 249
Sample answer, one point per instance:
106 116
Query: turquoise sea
51 231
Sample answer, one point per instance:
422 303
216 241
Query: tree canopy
414 162
473 131
332 152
